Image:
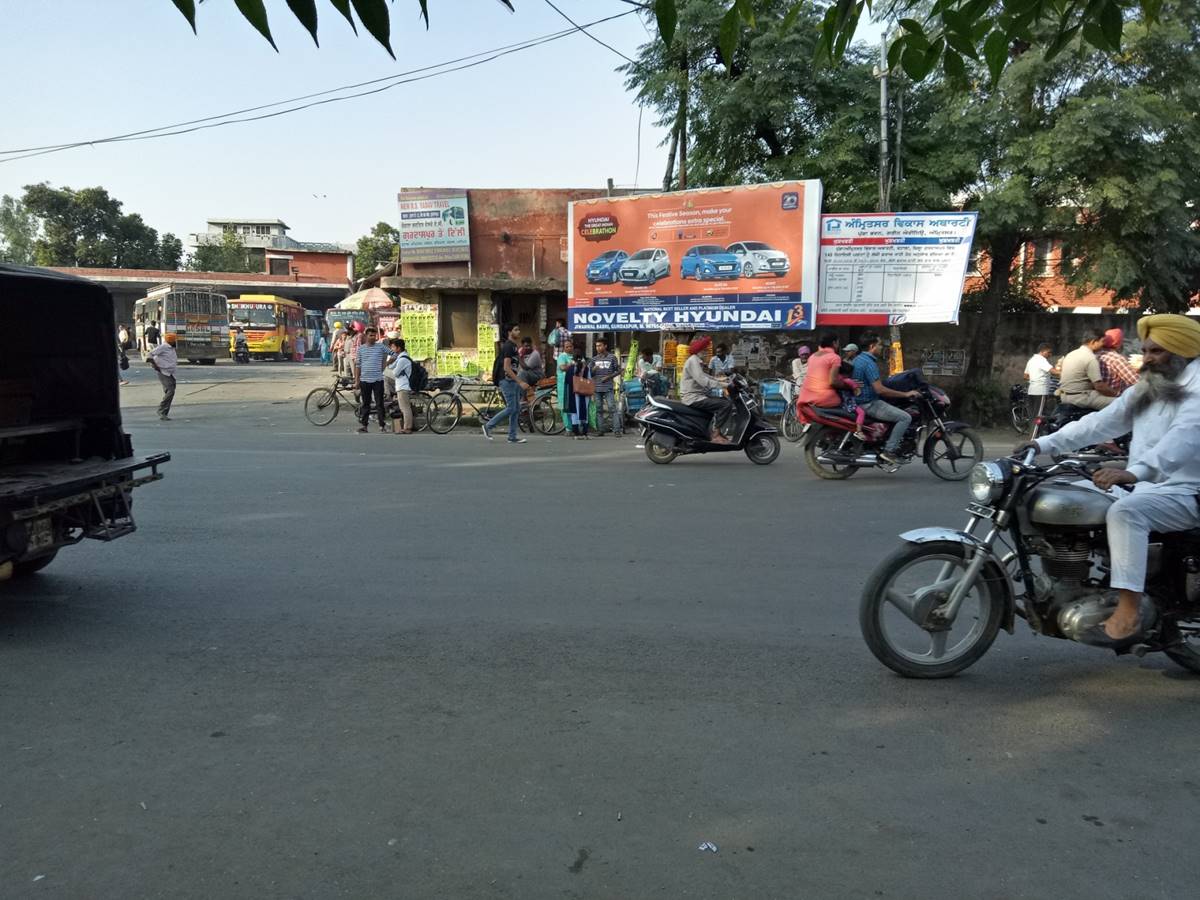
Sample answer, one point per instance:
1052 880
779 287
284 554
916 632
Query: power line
583 28
442 68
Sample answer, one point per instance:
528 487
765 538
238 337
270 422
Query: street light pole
883 124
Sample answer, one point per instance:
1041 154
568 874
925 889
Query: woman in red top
823 379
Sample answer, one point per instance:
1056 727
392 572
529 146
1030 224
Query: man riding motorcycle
696 384
1163 412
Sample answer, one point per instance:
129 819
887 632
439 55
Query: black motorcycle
934 606
241 352
1067 413
671 429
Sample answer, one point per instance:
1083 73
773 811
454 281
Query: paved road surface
336 665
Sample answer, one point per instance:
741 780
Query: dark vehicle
948 448
67 469
1065 414
934 606
671 429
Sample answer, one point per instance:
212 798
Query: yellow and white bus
271 324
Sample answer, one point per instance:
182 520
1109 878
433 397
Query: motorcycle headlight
987 482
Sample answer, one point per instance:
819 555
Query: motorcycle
241 352
948 448
934 606
1066 413
671 429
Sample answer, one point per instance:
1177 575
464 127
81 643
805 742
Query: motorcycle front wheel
913 580
824 439
952 456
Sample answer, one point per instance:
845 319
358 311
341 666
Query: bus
198 317
314 325
271 324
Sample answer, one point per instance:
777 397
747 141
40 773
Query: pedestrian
123 337
506 376
800 363
605 368
152 335
369 359
165 361
722 362
563 362
122 363
1115 369
649 371
558 338
323 348
580 390
353 342
1038 372
301 345
400 371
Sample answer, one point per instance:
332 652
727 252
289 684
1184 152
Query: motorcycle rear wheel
657 453
981 613
763 450
819 443
1187 655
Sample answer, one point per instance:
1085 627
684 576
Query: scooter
671 429
241 352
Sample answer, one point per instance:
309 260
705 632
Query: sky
557 115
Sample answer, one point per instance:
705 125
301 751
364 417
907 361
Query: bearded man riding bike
1163 412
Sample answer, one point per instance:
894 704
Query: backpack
418 375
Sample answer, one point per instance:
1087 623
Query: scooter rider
1163 412
696 384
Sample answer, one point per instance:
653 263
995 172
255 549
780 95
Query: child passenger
849 404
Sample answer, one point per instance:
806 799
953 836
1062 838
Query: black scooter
671 429
241 352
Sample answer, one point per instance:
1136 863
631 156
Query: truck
67 467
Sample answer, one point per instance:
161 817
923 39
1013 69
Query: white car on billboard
646 266
757 258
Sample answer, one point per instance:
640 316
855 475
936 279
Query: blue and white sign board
892 268
433 225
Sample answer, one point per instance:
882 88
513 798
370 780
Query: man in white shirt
1163 412
165 361
1038 371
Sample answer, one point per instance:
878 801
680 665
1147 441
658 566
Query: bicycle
446 409
1019 412
322 405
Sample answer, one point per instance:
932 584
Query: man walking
165 361
604 373
370 358
151 335
1037 372
866 373
506 376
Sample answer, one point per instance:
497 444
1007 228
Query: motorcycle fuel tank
1060 506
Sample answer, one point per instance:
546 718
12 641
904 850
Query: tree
18 232
230 255
170 251
378 248
87 228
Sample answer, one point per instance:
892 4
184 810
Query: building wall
520 233
1043 270
315 266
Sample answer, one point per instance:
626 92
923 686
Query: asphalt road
342 665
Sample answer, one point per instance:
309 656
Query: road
342 665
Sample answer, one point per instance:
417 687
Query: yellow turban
1177 334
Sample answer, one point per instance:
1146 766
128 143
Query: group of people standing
1092 375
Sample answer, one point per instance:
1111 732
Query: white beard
1159 387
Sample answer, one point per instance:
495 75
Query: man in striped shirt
370 358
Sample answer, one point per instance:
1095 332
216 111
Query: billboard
729 259
433 225
892 268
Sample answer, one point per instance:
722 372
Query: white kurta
1164 454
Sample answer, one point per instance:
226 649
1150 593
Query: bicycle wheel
1020 418
321 406
791 427
546 418
445 410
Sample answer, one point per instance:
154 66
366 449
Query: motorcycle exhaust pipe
867 459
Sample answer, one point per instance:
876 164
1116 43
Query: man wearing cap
695 386
1163 412
849 352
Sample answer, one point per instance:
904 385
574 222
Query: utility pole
883 125
683 123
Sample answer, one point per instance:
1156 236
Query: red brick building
277 253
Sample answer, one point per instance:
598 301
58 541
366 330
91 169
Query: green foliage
983 402
87 228
229 255
378 248
18 232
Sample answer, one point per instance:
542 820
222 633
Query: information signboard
730 259
891 268
433 225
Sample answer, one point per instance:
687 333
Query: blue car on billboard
606 268
708 261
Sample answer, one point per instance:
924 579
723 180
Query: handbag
582 386
124 362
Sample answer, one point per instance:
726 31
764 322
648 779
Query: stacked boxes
419 330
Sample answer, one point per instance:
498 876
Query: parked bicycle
446 408
322 405
1018 399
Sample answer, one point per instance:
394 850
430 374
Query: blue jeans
885 412
609 399
511 391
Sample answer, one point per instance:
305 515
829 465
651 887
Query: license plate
41 534
978 509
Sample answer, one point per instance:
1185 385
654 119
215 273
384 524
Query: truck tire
29 566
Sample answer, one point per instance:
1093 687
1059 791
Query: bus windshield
252 315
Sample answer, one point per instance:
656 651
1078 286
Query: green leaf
912 61
727 39
895 50
188 8
745 8
1151 10
844 37
790 18
343 6
1061 40
962 44
955 68
374 16
933 54
256 14
424 4
912 26
975 9
1112 23
980 29
306 12
995 51
956 21
1094 35
668 17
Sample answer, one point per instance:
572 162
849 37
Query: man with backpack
406 376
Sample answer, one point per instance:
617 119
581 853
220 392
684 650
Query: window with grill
1043 263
